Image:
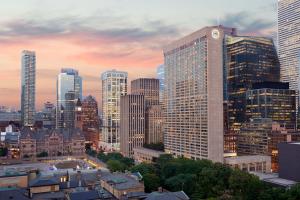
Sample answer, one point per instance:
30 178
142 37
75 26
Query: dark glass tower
248 60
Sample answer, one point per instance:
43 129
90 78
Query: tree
26 156
151 181
144 168
3 151
129 162
185 182
115 165
42 154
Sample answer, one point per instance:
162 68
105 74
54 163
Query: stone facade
54 142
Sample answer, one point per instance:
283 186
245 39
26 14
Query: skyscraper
67 81
132 123
272 100
289 41
114 85
90 123
149 87
248 60
194 94
161 77
28 88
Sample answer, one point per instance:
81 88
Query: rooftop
167 196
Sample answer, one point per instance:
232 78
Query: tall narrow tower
28 88
114 85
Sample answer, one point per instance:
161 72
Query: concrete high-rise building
48 115
28 87
155 125
149 87
248 60
289 42
68 80
114 85
90 124
132 124
161 77
90 113
272 100
193 124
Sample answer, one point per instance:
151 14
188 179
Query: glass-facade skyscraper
67 81
289 41
193 125
28 87
272 100
161 77
248 60
114 85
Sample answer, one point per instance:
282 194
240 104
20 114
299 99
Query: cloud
248 23
67 26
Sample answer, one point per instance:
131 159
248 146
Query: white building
114 85
28 88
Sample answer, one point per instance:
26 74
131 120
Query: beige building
120 184
194 94
14 179
155 125
149 87
146 155
53 142
254 163
132 124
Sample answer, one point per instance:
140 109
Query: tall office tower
28 88
90 122
90 113
155 125
272 100
77 81
193 124
69 111
149 87
78 117
161 77
253 137
114 85
132 124
289 41
249 60
67 80
48 115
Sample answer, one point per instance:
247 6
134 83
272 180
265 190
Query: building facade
28 87
161 77
252 139
132 124
90 123
48 115
248 60
114 85
155 125
69 84
194 94
149 88
272 100
54 142
289 41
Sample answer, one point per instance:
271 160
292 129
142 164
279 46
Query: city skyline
128 39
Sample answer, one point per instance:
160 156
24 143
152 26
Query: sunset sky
93 36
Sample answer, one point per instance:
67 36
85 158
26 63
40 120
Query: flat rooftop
273 178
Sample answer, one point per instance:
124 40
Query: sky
93 36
